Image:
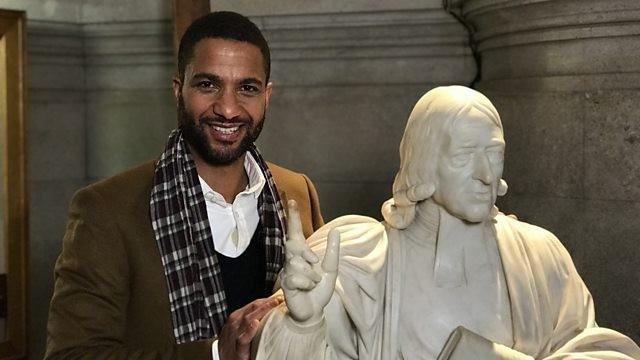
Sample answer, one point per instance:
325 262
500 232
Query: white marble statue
445 275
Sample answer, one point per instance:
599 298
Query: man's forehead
219 51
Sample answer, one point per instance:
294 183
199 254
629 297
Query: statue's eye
495 156
461 159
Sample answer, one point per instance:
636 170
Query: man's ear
267 93
177 88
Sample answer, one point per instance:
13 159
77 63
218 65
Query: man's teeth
226 130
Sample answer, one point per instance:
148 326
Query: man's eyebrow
217 79
251 80
208 76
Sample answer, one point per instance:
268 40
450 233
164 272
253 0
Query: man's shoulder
126 187
282 172
292 185
139 176
287 180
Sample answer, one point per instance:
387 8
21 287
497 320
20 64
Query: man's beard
195 136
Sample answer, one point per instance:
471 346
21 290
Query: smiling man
175 258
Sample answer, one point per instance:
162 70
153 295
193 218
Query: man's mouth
226 130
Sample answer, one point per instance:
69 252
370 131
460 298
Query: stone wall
99 100
564 76
130 106
56 154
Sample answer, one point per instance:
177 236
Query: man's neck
227 180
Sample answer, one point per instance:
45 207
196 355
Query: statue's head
452 151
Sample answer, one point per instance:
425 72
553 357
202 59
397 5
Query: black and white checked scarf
183 234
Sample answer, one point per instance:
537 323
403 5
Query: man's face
470 168
222 99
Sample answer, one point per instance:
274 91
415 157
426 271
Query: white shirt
233 225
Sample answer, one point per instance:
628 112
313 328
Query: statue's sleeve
576 334
552 310
352 325
552 304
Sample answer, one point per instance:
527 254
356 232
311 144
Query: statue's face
470 167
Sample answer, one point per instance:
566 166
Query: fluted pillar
565 77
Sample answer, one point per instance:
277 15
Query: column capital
555 44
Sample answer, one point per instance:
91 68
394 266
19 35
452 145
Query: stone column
565 77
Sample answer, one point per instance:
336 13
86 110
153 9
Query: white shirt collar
254 187
255 175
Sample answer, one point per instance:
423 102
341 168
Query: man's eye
250 89
461 159
205 84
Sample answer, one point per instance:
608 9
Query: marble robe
551 311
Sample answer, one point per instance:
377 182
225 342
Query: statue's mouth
482 195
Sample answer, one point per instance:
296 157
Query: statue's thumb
332 255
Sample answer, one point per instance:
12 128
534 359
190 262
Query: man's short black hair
224 25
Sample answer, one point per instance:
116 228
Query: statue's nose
482 169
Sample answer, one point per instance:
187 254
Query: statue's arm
297 330
568 326
590 343
305 328
465 344
281 337
576 334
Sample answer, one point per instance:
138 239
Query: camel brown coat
110 299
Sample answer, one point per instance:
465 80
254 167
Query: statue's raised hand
308 285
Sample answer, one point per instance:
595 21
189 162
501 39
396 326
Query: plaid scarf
183 234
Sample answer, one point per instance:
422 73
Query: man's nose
482 168
227 105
